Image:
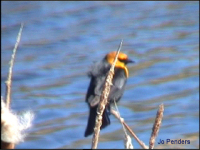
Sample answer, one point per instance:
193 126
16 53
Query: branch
129 129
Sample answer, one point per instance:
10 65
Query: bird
98 74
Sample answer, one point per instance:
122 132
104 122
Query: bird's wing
94 90
97 80
117 88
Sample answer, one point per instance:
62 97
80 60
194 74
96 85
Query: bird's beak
129 61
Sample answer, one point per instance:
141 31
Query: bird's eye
122 60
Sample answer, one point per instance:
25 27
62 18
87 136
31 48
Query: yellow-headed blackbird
98 74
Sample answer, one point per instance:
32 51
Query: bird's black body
98 74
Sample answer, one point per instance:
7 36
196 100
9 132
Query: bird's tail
91 121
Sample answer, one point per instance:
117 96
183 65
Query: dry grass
103 101
12 125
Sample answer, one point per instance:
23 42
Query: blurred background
61 40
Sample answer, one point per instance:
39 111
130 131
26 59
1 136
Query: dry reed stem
156 126
9 80
103 101
142 144
127 138
127 142
6 145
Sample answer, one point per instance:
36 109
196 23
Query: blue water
61 40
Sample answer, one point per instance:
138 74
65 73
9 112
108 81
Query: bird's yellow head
122 60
